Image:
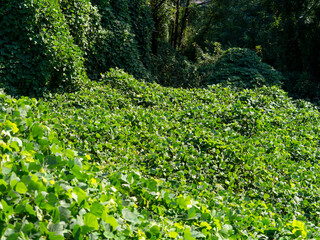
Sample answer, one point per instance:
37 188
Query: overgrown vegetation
123 159
286 33
238 67
200 142
37 50
54 46
170 68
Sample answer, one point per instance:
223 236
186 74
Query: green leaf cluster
241 68
123 159
125 40
37 50
54 45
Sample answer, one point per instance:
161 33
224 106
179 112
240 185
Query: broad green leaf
112 221
70 153
53 236
80 194
30 210
12 126
43 228
27 227
187 235
37 131
173 234
155 229
206 225
130 216
97 209
65 213
21 188
266 196
52 198
14 146
6 208
108 235
192 212
19 209
226 231
13 236
152 184
91 221
77 232
55 215
57 229
184 202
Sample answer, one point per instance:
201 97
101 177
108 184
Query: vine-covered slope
122 159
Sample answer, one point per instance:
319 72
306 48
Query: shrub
241 68
37 50
206 57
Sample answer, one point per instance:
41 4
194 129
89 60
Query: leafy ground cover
122 159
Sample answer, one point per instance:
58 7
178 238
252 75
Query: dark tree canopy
56 46
285 33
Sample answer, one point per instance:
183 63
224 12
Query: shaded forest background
57 45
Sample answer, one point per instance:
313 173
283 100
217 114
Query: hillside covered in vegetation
117 121
123 159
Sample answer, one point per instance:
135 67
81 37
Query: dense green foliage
126 41
286 32
238 67
84 23
37 51
123 159
48 45
207 147
55 46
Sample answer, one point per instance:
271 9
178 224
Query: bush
241 68
37 50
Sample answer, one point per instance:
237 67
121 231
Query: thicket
285 33
37 51
122 159
126 42
53 46
171 68
227 156
49 47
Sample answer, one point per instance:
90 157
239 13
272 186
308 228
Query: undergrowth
123 159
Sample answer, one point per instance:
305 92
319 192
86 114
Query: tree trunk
184 22
156 6
176 25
